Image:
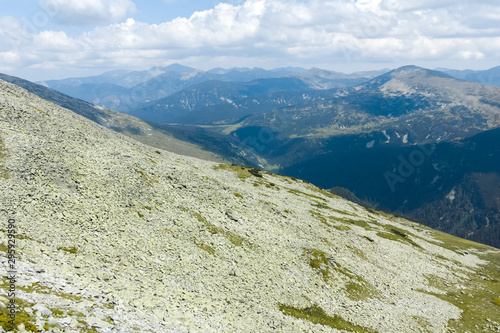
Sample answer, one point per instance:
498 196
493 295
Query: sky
54 39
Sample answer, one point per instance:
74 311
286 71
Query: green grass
243 172
4 248
68 249
56 312
149 180
397 235
321 205
300 193
21 317
45 113
318 261
320 217
317 315
204 247
342 227
214 230
39 288
356 287
359 223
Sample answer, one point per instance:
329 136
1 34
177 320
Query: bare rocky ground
117 236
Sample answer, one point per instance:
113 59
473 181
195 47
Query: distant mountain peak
412 70
409 74
178 68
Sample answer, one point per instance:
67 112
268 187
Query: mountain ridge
148 133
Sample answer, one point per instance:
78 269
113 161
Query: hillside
148 133
212 102
115 235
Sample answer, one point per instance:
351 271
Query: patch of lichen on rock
317 315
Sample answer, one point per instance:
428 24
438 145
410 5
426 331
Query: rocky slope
148 133
117 236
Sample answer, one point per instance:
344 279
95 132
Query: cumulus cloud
270 33
88 12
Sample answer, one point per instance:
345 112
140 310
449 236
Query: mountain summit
114 235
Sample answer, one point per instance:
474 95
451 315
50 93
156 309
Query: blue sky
45 39
148 11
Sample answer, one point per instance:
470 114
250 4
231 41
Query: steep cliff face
114 235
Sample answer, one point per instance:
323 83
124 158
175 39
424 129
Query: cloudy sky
46 39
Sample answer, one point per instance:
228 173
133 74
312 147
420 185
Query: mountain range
113 235
412 141
126 91
489 76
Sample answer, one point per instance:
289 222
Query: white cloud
88 12
269 33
